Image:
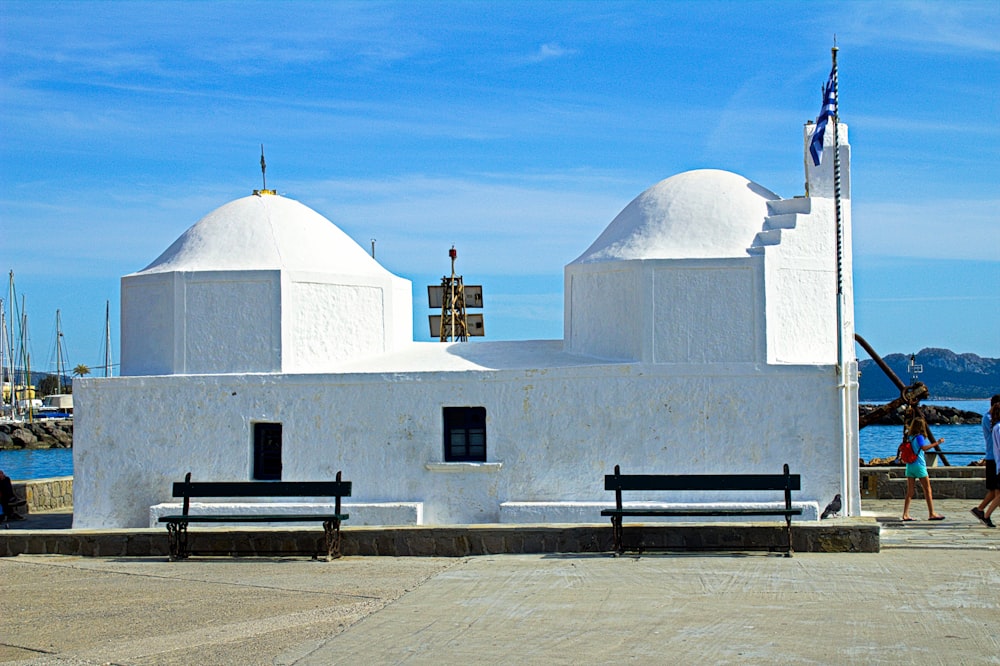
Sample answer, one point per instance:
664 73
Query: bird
832 508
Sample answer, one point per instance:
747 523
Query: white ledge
463 466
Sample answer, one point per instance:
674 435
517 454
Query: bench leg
331 530
788 536
177 541
616 529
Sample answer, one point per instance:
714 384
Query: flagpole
837 216
851 479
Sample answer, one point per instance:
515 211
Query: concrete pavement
930 596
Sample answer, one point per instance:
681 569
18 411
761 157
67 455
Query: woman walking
917 470
992 487
995 502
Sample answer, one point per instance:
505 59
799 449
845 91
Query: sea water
875 442
26 464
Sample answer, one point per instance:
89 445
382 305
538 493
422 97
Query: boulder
23 438
935 415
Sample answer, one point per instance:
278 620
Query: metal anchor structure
910 396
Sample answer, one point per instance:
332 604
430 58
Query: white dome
265 232
706 213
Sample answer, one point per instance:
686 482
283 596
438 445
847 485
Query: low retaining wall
854 535
46 494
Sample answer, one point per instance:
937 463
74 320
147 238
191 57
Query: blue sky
515 131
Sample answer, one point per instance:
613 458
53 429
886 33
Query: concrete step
785 206
783 221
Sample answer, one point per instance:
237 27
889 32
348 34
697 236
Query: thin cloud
925 26
936 229
532 225
912 125
549 51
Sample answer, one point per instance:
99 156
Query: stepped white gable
710 267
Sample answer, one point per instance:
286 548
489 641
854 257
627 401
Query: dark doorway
267 451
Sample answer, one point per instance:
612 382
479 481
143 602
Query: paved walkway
959 530
929 597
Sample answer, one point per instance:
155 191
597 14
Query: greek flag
828 111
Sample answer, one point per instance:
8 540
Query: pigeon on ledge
832 508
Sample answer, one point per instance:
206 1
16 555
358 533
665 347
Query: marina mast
60 355
5 372
107 339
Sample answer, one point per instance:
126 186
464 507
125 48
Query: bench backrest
785 481
702 482
188 489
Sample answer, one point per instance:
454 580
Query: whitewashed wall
207 322
201 322
667 310
147 333
329 318
555 433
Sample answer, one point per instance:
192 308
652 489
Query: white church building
703 333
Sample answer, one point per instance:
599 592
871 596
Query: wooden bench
177 524
619 482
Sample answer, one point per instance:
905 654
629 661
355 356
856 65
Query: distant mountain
947 375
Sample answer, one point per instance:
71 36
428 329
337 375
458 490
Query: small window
267 451
465 434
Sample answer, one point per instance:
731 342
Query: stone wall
46 494
955 482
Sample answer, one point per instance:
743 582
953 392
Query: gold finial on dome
263 174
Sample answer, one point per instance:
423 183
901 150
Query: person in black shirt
8 500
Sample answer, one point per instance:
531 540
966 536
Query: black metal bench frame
619 482
177 525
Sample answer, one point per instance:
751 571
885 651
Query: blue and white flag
828 111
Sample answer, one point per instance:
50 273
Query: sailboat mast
12 313
60 362
25 356
107 339
4 354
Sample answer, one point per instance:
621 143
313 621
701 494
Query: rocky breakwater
42 434
935 415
